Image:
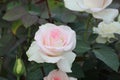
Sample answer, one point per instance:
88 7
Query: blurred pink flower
58 75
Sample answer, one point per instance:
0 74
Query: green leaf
81 47
6 43
12 4
29 20
35 10
63 15
89 64
55 3
4 24
48 68
14 14
77 71
15 26
108 56
34 72
78 27
58 12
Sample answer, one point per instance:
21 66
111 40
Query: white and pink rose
96 7
53 44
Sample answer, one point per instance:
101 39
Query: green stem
43 72
18 77
29 4
49 12
29 35
20 51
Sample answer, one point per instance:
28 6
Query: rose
54 44
95 7
58 75
106 31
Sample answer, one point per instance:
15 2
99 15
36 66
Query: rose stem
49 12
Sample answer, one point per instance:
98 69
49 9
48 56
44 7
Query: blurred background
19 20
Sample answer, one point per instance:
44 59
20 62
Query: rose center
56 78
55 34
56 38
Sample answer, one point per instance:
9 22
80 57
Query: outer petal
66 62
50 59
75 5
106 15
94 3
92 10
101 39
33 53
72 78
107 3
71 42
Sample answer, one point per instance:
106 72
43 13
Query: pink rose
58 75
54 44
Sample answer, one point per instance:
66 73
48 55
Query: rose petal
71 38
66 62
33 53
101 39
96 30
42 29
94 3
97 3
50 59
107 15
75 5
40 34
45 78
92 10
71 43
107 3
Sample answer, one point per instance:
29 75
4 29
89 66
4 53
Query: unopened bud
19 68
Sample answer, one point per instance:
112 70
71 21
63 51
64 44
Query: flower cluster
54 44
96 7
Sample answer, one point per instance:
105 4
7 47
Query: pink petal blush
57 78
55 33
